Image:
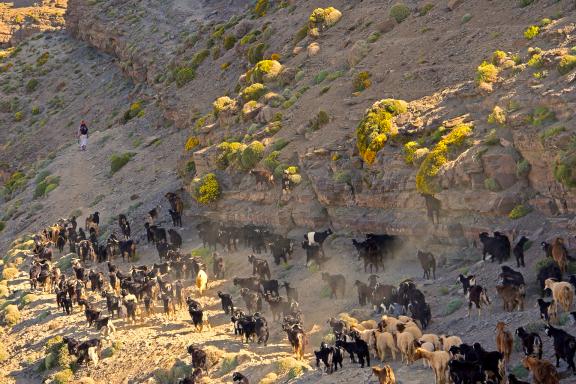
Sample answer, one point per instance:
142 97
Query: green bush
19 116
551 132
567 64
438 156
35 110
254 92
519 211
199 57
42 59
522 168
251 155
184 75
377 126
374 36
492 138
342 177
425 9
492 185
31 85
453 306
525 3
229 42
64 376
11 315
362 81
542 115
531 32
119 160
271 161
400 12
191 167
320 120
260 8
207 189
135 110
255 53
564 168
2 226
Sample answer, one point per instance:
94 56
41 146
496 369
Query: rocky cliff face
506 166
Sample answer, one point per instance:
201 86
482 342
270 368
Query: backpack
83 129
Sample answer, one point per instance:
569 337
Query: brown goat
512 297
428 263
385 375
543 372
559 254
504 341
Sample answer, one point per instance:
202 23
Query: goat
296 337
201 281
531 343
251 283
467 282
227 305
513 380
543 372
559 254
511 277
498 247
252 300
550 271
438 361
336 283
477 296
491 361
512 297
199 357
330 356
564 345
519 251
428 263
262 177
383 341
465 372
562 293
547 311
448 342
270 286
260 267
504 341
364 292
357 347
385 374
405 343
218 267
238 378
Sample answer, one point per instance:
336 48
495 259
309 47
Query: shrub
541 115
31 85
2 226
321 76
486 73
9 273
531 32
377 126
374 36
11 315
255 53
519 211
184 75
254 92
229 363
567 64
207 189
135 110
300 35
466 18
27 299
64 376
362 81
269 378
224 104
35 110
492 138
342 177
191 143
452 306
321 19
271 161
266 71
399 12
499 57
229 42
260 8
425 9
119 160
320 120
251 155
535 61
199 57
42 59
551 132
525 3
522 168
492 185
409 151
438 157
19 116
498 116
564 168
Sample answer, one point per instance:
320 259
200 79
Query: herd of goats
404 312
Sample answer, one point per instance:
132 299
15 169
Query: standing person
83 135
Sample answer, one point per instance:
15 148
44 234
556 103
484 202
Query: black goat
330 356
531 343
519 251
491 362
466 281
364 292
336 283
465 372
511 277
227 304
564 346
498 247
544 306
357 347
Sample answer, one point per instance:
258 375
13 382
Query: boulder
265 115
453 4
386 25
500 164
313 49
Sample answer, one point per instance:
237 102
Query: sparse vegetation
519 211
254 92
320 120
551 132
321 19
492 185
531 32
438 156
567 63
377 127
486 73
260 8
8 273
45 183
11 315
206 189
452 306
564 168
498 116
135 110
522 168
31 85
184 75
266 71
362 81
42 59
400 12
119 160
191 143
